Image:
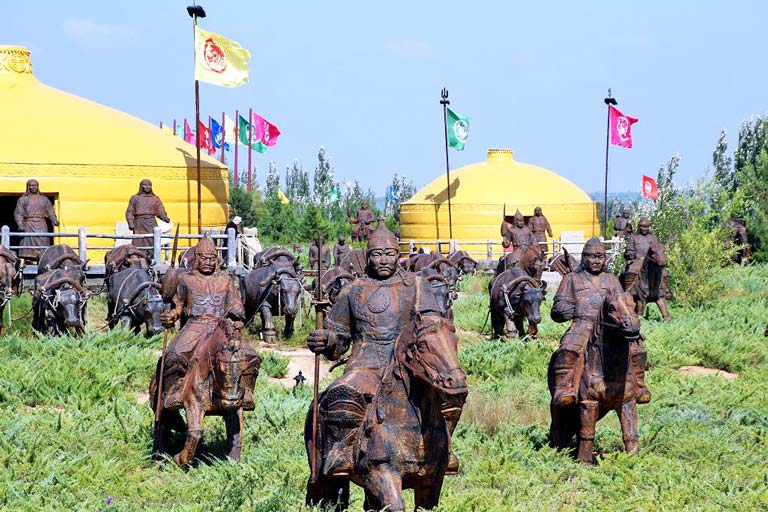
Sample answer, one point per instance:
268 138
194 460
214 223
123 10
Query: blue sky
364 79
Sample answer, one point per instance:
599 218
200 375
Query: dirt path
301 360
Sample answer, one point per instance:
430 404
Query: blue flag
217 135
391 194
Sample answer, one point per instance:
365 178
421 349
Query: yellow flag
219 61
283 198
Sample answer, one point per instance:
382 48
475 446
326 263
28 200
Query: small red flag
264 131
205 136
621 127
650 189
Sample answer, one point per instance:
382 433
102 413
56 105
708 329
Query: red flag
650 189
205 136
621 127
189 135
264 131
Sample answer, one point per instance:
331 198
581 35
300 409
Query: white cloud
96 35
410 48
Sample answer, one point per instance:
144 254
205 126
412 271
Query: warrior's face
625 214
33 187
146 187
537 212
206 263
519 222
383 262
644 228
364 206
593 261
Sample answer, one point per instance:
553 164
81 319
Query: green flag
243 135
458 130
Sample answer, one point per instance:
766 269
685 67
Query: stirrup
643 396
565 398
453 464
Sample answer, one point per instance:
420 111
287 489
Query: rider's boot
452 415
173 380
639 359
345 411
629 280
566 392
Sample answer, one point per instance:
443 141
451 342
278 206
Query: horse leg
587 419
627 413
195 415
234 423
385 488
497 324
662 303
268 331
288 330
428 497
519 326
328 491
533 330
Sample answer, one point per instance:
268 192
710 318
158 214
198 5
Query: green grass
72 433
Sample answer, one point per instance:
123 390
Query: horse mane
440 261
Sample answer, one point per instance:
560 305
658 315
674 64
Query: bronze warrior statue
340 250
376 416
646 275
580 298
519 235
363 222
142 209
323 253
208 368
622 226
32 211
540 228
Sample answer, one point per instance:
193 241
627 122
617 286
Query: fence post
5 236
411 247
231 245
82 243
156 244
490 250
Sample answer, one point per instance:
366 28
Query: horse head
153 308
231 366
428 347
334 286
531 299
66 297
446 268
619 314
443 293
657 254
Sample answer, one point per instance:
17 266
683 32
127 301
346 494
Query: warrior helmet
518 215
381 238
593 246
643 222
205 247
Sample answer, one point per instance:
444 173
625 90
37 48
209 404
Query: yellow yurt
482 193
89 159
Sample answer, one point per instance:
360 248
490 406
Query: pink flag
264 131
621 127
650 188
189 135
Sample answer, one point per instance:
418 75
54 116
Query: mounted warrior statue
207 297
32 211
519 236
640 246
369 316
142 209
580 298
622 226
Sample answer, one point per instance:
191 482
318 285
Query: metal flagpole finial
609 100
444 96
196 11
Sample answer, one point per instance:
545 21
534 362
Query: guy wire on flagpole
197 11
444 102
608 102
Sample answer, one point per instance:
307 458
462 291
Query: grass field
74 437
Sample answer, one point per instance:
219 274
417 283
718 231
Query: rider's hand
317 341
168 318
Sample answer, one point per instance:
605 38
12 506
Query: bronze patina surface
32 214
645 275
142 209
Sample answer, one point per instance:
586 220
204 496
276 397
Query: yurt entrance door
8 207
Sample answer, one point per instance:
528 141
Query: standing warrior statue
367 317
622 226
340 250
580 298
636 250
142 209
540 228
363 222
32 210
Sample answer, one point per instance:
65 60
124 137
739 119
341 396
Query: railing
160 242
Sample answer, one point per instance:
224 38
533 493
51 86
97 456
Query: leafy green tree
297 185
242 205
323 178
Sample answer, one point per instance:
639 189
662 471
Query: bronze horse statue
515 297
403 441
605 378
219 382
463 262
648 286
270 291
531 259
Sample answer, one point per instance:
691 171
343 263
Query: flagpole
250 144
444 102
608 102
223 134
237 142
174 126
196 11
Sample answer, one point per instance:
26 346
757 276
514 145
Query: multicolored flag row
259 134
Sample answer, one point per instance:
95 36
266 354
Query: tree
724 172
242 205
297 185
323 179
